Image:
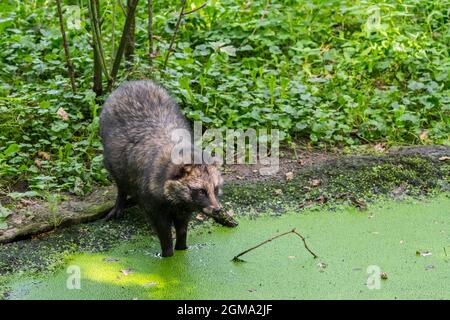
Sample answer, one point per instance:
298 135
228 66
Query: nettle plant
322 72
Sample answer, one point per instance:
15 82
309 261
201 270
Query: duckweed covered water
410 242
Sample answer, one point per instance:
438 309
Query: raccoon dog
136 124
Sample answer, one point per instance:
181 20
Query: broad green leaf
11 149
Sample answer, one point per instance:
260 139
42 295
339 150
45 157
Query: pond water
408 241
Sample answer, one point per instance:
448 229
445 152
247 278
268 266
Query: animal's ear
181 171
217 163
170 186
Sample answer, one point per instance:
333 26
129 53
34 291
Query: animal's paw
181 247
167 253
115 213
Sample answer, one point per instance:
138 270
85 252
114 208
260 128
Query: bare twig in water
236 258
304 243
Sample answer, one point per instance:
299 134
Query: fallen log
85 215
32 229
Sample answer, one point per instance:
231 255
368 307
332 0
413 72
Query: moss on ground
48 251
342 180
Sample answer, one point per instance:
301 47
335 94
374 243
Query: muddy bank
351 179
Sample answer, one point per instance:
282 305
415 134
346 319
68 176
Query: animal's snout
212 210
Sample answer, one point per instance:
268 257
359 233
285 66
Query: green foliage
330 72
333 72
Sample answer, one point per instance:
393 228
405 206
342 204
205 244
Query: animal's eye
200 192
197 192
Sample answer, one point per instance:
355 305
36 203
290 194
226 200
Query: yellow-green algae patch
409 241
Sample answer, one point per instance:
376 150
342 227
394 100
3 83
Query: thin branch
98 70
196 9
177 26
304 243
236 258
122 7
123 41
113 27
93 14
97 29
261 19
150 31
69 64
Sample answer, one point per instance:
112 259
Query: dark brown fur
135 126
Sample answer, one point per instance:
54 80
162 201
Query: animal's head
198 185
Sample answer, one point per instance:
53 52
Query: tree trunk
99 58
69 64
123 42
98 75
130 44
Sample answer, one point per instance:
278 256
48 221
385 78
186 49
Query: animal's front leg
181 226
163 228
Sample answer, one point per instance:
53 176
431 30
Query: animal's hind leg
119 206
